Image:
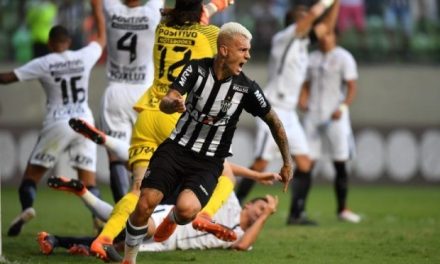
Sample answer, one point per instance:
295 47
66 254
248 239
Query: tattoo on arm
278 133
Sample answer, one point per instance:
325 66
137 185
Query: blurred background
395 116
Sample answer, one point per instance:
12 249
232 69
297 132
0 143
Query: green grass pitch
401 224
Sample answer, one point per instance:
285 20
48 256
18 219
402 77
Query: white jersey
130 41
287 68
65 80
186 237
328 73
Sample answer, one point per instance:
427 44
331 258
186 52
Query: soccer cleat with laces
204 223
66 184
102 247
46 242
348 216
87 130
16 224
164 230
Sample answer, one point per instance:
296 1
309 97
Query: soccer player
287 72
191 159
130 29
247 222
326 96
179 37
64 75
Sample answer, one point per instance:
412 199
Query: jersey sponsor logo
66 67
71 110
127 76
185 74
178 33
260 99
130 23
208 119
201 71
45 157
141 150
225 105
83 160
116 134
240 88
176 41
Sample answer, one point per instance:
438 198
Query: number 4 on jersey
128 42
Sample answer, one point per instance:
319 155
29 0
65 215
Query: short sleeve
256 103
349 69
31 70
187 78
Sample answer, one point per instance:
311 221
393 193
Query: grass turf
401 224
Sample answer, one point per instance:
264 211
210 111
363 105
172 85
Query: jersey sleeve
256 103
91 53
155 4
30 71
349 68
187 78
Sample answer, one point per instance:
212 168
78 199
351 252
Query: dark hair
59 34
185 12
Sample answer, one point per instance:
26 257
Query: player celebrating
287 72
64 75
329 90
178 38
191 159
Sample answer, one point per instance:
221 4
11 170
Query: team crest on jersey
225 105
201 71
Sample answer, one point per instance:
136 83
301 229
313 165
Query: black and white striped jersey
213 108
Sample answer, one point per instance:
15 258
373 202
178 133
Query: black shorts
174 168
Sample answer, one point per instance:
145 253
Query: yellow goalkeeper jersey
174 47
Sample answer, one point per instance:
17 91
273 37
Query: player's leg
203 221
301 148
53 139
342 149
98 207
27 193
300 189
199 182
116 122
117 147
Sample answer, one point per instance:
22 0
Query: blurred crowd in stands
373 30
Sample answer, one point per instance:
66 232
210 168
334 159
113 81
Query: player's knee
186 211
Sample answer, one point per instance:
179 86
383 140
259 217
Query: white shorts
334 138
117 113
55 138
266 147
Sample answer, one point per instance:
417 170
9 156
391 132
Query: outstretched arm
279 134
8 77
304 25
261 177
98 15
329 21
213 7
251 234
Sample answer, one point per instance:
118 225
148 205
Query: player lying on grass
247 222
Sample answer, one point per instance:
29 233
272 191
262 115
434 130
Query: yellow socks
221 193
119 216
